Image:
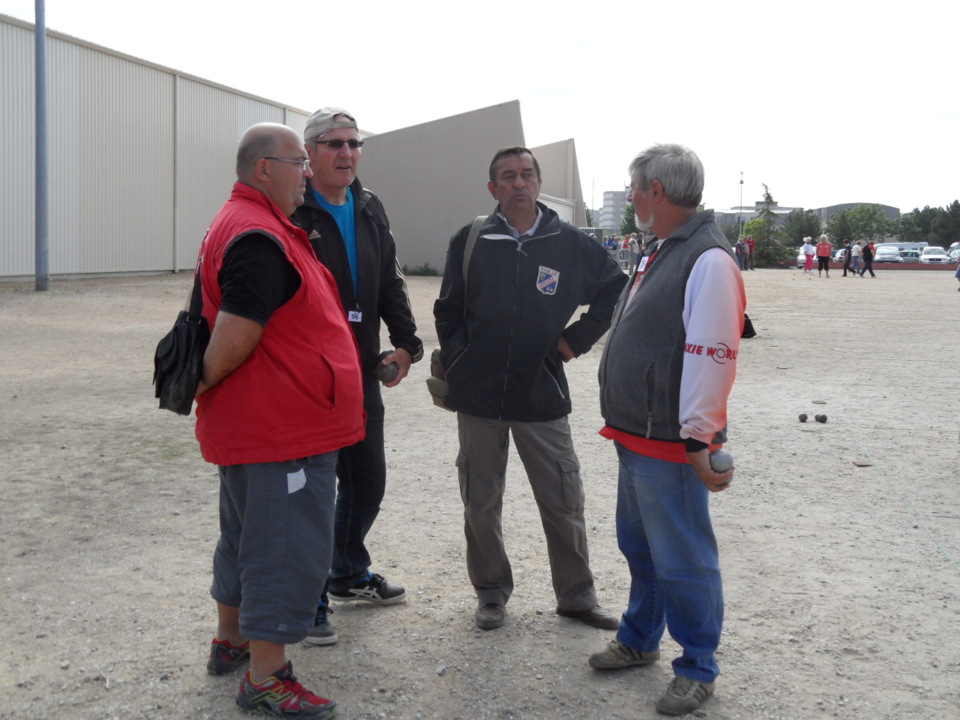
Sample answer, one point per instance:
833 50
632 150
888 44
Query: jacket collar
549 223
691 226
242 191
360 196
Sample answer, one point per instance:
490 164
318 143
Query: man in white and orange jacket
667 369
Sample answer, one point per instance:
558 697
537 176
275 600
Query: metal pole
42 241
740 213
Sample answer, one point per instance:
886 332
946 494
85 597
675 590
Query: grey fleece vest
643 356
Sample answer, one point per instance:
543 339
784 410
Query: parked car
801 259
954 255
910 256
887 253
933 254
838 255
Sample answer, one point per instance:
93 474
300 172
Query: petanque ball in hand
386 373
721 460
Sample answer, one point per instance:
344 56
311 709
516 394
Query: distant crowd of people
625 249
857 257
743 250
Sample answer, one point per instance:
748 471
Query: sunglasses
337 144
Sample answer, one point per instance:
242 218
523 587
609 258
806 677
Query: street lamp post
740 209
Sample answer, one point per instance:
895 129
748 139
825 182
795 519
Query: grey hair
677 168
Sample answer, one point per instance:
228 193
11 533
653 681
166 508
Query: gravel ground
840 542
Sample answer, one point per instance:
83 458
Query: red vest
299 393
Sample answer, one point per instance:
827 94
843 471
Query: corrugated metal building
142 157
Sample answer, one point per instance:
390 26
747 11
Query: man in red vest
281 393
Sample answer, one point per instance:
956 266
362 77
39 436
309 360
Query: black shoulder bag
437 382
178 361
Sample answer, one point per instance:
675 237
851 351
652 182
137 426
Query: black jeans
362 481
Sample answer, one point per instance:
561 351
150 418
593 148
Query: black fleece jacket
500 355
382 290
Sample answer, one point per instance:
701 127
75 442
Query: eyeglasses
303 162
337 144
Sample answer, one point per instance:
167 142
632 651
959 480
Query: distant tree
772 245
916 226
753 226
589 217
629 222
731 232
867 222
907 228
945 228
936 226
840 229
800 224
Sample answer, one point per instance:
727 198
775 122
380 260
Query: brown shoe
618 656
594 617
684 695
489 616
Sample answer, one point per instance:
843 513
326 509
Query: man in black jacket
504 338
350 233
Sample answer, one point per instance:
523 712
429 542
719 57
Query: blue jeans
664 532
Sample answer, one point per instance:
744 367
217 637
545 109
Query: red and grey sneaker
225 657
281 696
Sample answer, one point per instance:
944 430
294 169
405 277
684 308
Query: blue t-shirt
344 217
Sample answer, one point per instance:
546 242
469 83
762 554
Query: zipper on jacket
513 317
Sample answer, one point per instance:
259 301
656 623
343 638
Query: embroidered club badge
547 280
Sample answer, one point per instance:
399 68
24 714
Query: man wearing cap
505 333
351 236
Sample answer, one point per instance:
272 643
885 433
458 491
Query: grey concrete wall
432 178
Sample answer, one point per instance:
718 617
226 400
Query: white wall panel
111 156
210 121
17 148
141 157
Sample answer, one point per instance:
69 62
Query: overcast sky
825 102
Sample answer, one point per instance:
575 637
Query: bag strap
196 298
468 248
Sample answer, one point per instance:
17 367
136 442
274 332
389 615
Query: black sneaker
281 696
373 589
225 657
322 632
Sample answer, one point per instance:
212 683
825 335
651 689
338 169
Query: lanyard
642 267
